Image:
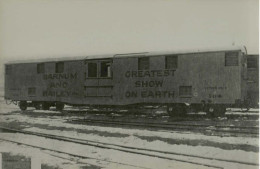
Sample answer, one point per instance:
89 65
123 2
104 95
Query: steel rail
105 145
181 124
70 154
168 127
73 140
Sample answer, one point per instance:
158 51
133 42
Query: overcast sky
57 28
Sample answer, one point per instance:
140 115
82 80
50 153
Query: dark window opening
105 69
231 59
31 91
143 63
252 62
40 68
59 67
92 69
185 90
8 69
171 62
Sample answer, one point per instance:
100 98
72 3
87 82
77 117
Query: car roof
125 55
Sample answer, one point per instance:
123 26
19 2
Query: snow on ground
239 111
47 112
243 113
134 141
110 158
55 124
71 108
5 108
59 122
40 156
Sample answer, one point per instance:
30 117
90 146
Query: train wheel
59 106
45 106
215 110
37 106
221 110
196 108
170 110
177 110
210 110
23 105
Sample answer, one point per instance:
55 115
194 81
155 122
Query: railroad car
208 80
253 80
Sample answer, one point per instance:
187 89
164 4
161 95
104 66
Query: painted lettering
149 83
215 88
131 94
214 96
127 74
150 94
157 94
58 84
60 76
149 73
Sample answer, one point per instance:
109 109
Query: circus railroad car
210 80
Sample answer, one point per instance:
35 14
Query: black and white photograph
129 84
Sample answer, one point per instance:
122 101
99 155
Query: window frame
92 77
230 54
40 69
167 62
140 61
57 65
100 69
253 60
8 69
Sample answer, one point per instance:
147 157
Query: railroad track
70 154
251 130
193 115
130 149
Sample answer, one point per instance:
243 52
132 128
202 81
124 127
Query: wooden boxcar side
197 77
24 83
214 77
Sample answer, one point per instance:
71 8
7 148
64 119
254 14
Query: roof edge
182 51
